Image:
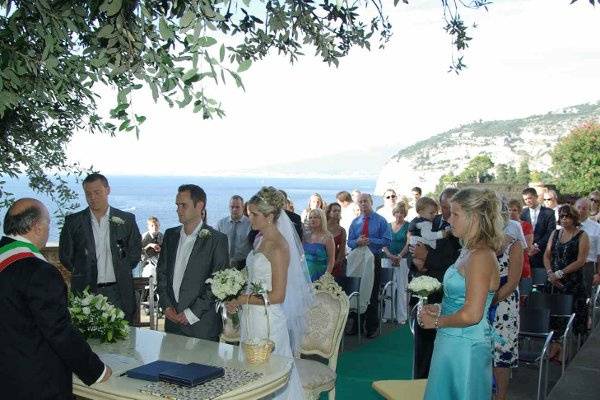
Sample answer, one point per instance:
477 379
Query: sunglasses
549 199
392 196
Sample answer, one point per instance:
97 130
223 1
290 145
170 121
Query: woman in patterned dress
506 319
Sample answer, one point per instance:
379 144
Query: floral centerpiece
422 286
96 318
226 285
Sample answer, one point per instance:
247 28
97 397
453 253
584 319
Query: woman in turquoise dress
319 247
461 365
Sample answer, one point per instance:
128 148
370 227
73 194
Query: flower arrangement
96 318
422 286
227 284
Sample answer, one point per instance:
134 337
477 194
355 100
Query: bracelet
559 274
436 323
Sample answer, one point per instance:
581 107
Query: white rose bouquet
422 286
96 318
226 285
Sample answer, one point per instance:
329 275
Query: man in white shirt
190 254
344 199
592 228
100 246
389 202
236 226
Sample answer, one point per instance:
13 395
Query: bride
278 265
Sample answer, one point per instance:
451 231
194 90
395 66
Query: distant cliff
506 142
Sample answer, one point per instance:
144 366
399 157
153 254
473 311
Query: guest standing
100 246
592 228
514 212
394 257
505 315
595 206
339 238
151 242
319 247
344 199
315 201
461 366
544 223
40 349
372 230
436 263
236 227
564 258
389 202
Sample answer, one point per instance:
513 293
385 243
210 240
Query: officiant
40 349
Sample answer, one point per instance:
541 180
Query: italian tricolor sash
17 250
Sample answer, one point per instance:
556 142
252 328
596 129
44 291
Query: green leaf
189 75
140 118
187 19
52 62
244 65
164 29
222 53
114 7
206 41
105 31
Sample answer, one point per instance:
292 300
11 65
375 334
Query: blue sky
526 57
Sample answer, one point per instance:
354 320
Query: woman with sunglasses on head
389 202
564 257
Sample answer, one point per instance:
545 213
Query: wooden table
144 346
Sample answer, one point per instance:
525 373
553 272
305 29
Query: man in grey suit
189 255
100 246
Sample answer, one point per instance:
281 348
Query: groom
189 255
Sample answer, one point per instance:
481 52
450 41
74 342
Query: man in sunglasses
389 202
595 206
551 201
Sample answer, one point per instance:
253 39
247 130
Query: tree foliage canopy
576 160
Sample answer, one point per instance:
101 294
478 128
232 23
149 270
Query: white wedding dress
253 323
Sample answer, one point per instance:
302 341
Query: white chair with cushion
325 323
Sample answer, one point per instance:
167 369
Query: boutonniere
117 220
204 233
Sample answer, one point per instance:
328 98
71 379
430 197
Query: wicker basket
258 353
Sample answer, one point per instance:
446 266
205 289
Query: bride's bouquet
96 318
227 284
422 286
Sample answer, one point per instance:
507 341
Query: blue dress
316 259
461 365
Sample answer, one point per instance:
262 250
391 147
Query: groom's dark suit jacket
39 348
544 226
77 252
209 255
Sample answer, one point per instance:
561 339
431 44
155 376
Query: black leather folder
191 375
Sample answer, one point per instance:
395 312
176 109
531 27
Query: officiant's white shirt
184 250
104 262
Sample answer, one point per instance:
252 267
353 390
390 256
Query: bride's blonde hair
268 200
482 209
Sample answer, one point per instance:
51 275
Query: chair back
539 276
561 305
139 287
538 300
325 321
349 284
534 320
386 275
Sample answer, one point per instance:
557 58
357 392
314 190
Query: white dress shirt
534 213
592 229
386 212
184 250
104 261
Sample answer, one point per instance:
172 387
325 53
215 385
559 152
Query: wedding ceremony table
143 346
